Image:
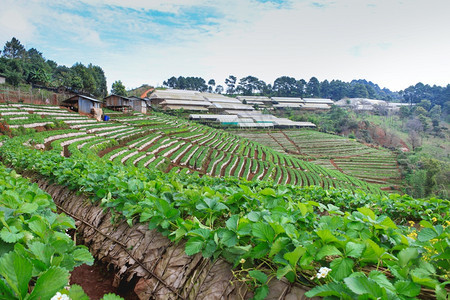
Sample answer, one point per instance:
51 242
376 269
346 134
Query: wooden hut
118 103
82 104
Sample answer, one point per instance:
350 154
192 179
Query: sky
392 43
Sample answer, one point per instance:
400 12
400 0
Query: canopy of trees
286 86
19 65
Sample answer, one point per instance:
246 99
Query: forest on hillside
286 86
19 65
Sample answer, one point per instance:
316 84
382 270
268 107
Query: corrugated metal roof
231 106
257 98
254 125
185 107
293 105
288 99
177 95
243 113
318 100
185 102
315 106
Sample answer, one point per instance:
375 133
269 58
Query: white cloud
392 43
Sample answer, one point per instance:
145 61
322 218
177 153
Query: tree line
286 86
19 65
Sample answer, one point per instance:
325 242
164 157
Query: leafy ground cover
347 245
36 253
345 155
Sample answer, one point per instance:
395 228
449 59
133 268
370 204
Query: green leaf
229 238
341 268
354 250
11 236
294 256
278 245
258 276
27 208
194 245
16 270
406 255
76 292
50 282
42 252
263 231
261 292
303 208
326 236
83 256
367 212
111 297
407 288
328 250
427 234
282 272
330 289
381 280
260 250
232 222
361 285
268 192
38 226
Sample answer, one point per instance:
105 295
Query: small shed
138 104
118 103
82 104
2 79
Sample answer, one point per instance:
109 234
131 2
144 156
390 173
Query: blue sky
392 43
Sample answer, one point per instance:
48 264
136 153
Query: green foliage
295 230
20 65
118 88
33 245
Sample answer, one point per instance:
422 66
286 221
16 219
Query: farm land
174 197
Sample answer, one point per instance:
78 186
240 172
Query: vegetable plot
269 231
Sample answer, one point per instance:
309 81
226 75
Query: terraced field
171 144
377 166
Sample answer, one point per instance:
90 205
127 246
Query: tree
338 90
118 88
313 88
14 49
414 139
286 86
231 83
426 104
249 85
359 91
211 85
325 89
219 89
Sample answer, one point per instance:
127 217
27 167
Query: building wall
116 101
85 106
2 80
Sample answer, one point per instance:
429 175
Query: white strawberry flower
60 296
323 272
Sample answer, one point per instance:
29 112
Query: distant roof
258 98
185 107
177 95
318 100
185 102
75 97
112 95
231 106
315 106
288 99
293 105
